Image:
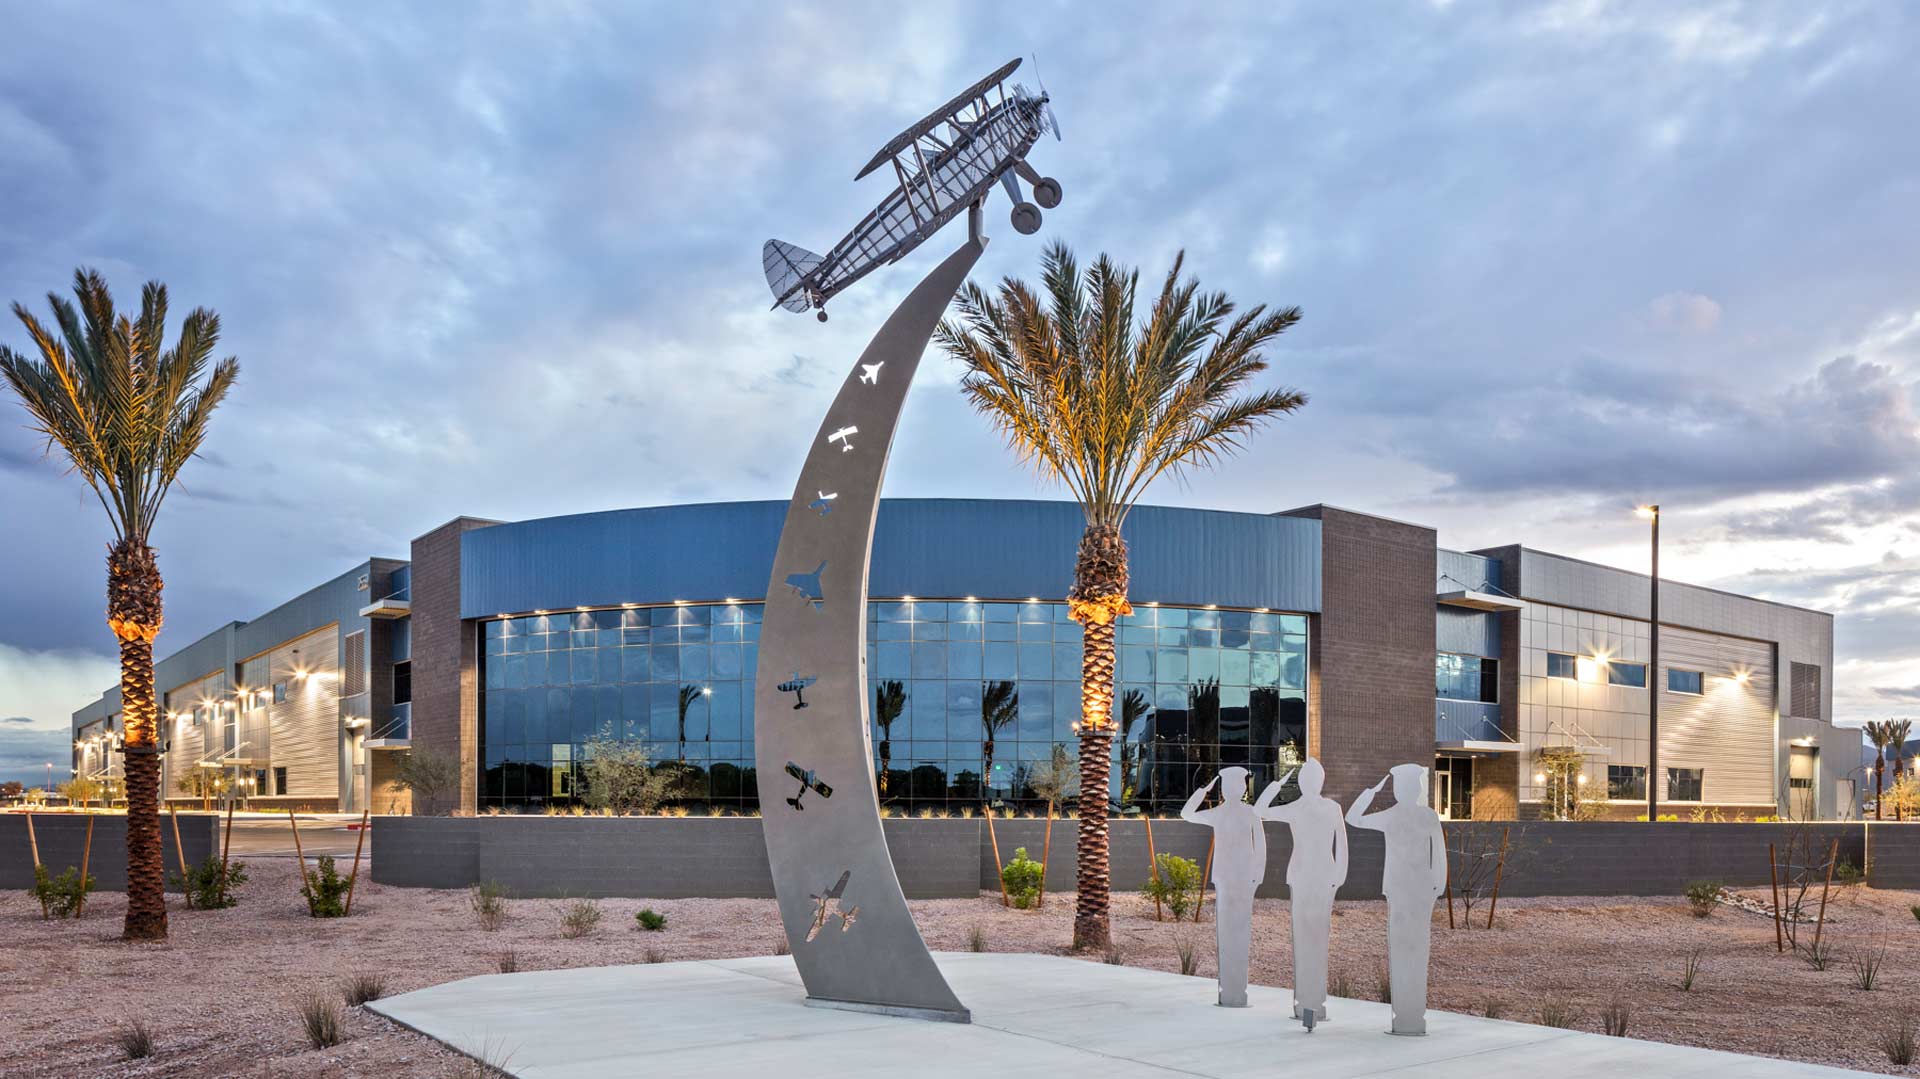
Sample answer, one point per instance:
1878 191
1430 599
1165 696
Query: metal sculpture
1239 864
1315 870
1414 876
815 617
989 130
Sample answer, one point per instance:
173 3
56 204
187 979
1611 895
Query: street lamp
1652 515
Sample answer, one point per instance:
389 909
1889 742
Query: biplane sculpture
815 621
947 162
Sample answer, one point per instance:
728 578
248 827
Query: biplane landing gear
1026 218
822 316
1047 193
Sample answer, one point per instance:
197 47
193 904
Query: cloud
1898 693
24 755
15 719
43 689
1683 311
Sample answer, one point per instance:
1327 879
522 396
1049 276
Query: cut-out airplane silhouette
808 782
824 504
828 906
797 685
808 585
870 372
840 436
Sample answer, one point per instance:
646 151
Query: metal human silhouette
1239 863
1415 875
1316 869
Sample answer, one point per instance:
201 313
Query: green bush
1702 895
326 890
1022 878
651 920
64 895
1178 884
210 886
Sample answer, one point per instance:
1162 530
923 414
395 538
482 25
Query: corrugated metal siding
1728 729
922 547
306 729
191 738
1466 721
1473 633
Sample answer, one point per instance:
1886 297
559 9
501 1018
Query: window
1560 665
1627 674
1683 784
403 683
1627 782
1466 678
1684 682
279 781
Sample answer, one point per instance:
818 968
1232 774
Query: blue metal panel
922 547
1466 721
1470 632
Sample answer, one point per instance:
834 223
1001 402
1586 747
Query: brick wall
1370 696
446 687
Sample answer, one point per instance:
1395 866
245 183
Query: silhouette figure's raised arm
1264 805
1191 812
1357 814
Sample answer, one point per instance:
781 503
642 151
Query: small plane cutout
870 372
797 685
809 781
808 585
823 504
841 436
828 906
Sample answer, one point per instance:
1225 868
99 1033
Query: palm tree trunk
134 613
1098 599
1879 784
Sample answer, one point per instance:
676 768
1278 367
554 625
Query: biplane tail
787 265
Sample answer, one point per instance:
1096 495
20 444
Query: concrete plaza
1032 1015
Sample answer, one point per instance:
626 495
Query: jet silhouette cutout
808 585
870 372
809 781
828 906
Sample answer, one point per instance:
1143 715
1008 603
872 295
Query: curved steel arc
852 936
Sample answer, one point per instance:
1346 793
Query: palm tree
1133 707
128 415
1897 732
999 707
1880 733
688 694
889 700
1106 405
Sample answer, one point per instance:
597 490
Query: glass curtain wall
966 699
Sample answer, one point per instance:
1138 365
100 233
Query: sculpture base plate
933 1015
1032 1015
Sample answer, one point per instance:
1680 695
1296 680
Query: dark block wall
446 686
723 857
1370 701
62 837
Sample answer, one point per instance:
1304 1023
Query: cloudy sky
1555 259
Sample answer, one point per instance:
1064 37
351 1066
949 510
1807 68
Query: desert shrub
507 962
781 947
64 895
578 918
1897 1040
135 1040
1916 912
1702 895
321 1020
977 939
1383 985
362 987
1691 968
1022 878
1113 957
1558 1012
651 920
654 955
1614 1018
326 890
1846 874
621 778
1177 885
489 902
1189 961
1819 956
210 885
1493 1007
1340 984
1866 963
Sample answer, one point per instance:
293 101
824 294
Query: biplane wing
937 117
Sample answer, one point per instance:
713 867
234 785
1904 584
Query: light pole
49 782
1652 514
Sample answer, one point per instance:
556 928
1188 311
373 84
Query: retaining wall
722 857
63 835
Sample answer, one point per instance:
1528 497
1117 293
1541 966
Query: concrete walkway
1032 1015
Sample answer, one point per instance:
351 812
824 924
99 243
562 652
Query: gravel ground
221 995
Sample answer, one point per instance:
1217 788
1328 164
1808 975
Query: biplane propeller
945 164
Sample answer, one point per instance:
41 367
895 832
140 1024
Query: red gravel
221 994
